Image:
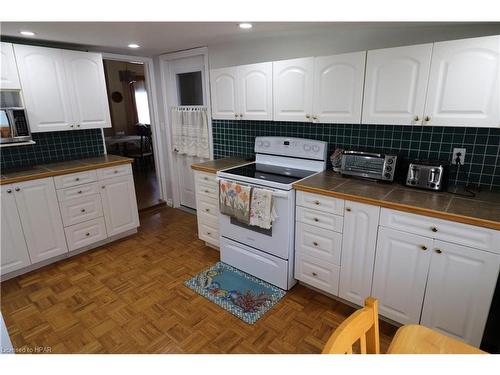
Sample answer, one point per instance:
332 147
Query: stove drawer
317 273
257 263
320 219
319 243
321 203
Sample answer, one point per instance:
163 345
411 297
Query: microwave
368 165
14 126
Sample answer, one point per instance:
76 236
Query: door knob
235 115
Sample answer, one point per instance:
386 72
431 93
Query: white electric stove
269 253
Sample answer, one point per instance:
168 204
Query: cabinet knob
315 117
9 191
207 209
434 229
77 179
314 274
206 191
87 234
423 247
308 116
315 243
205 178
18 189
348 209
209 233
80 192
115 171
78 125
103 186
416 118
316 219
235 115
241 115
72 126
316 203
82 210
427 119
438 251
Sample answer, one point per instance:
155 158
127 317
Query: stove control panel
295 147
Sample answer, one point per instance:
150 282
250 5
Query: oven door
278 240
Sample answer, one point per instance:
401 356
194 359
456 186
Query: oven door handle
276 193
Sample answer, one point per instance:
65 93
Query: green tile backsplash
236 138
52 147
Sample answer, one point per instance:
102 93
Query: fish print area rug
243 295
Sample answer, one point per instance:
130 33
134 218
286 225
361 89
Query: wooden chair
362 325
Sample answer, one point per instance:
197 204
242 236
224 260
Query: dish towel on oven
234 200
262 211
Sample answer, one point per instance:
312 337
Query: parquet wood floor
129 297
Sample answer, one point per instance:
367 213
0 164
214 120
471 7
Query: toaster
427 174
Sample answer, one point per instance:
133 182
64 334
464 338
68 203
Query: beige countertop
60 168
482 210
213 166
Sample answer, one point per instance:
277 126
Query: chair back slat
362 344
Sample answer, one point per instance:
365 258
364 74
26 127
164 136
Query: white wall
339 39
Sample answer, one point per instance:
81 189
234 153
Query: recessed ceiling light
245 25
133 45
27 33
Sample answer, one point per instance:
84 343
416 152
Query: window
190 88
141 102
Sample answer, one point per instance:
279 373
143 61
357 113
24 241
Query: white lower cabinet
40 218
400 274
14 252
207 207
85 233
358 251
459 290
317 273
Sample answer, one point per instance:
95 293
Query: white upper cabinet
63 90
45 91
85 77
459 290
293 82
255 90
9 79
401 265
338 88
395 85
464 83
40 217
224 94
358 251
14 252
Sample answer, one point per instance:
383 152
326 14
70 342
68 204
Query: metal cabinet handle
9 191
423 247
439 251
18 189
348 209
434 229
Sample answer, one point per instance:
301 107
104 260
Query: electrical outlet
457 151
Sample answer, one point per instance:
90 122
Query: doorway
131 133
185 83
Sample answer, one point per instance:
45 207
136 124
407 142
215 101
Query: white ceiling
159 37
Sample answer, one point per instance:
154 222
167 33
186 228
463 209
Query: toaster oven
14 125
368 165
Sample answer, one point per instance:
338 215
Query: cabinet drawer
321 203
77 192
86 233
78 210
205 178
208 232
320 219
75 179
208 208
207 190
119 170
317 273
319 243
450 231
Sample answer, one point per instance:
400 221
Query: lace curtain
190 131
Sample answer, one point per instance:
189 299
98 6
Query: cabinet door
9 79
358 251
14 250
464 83
119 204
223 88
293 89
459 291
45 92
255 89
338 88
87 88
401 266
40 217
395 85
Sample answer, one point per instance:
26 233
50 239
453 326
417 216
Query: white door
464 83
40 217
187 179
401 266
224 93
338 88
45 90
255 90
9 79
87 87
14 250
395 85
459 290
358 251
293 89
119 204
